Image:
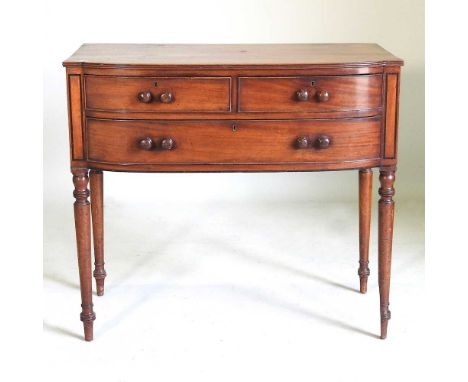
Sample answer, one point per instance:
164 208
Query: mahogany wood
228 71
231 108
83 240
119 142
317 94
391 116
214 55
97 212
236 167
233 115
365 204
159 94
386 214
75 117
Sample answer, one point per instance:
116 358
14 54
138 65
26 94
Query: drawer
242 142
310 94
158 94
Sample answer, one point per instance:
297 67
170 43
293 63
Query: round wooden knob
166 97
302 95
323 141
167 144
322 96
302 142
145 97
146 143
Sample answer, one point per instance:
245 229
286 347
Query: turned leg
96 186
83 240
386 209
365 202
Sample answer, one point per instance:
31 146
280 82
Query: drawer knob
167 144
166 97
322 96
302 95
145 97
146 144
323 141
302 142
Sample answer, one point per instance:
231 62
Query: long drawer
241 142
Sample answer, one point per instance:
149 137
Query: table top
232 55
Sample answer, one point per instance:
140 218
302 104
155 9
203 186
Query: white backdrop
398 26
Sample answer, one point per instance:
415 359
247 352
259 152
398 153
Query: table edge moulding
231 108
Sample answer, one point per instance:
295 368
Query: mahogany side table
228 108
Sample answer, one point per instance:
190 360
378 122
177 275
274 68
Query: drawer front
310 94
158 94
240 142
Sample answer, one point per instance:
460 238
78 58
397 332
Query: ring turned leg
97 212
83 240
386 213
365 202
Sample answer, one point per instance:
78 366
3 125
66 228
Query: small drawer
228 142
158 94
310 94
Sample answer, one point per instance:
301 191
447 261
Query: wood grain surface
232 142
235 54
346 93
189 94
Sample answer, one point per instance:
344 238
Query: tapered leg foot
97 211
88 317
365 204
386 217
363 273
385 315
83 240
99 282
